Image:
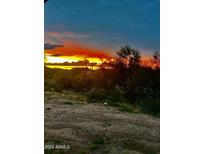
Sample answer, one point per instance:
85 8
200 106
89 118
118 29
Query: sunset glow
76 49
73 52
146 61
70 59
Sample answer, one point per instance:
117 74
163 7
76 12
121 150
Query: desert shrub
82 82
60 80
96 95
141 83
102 95
48 85
49 73
150 106
115 95
125 107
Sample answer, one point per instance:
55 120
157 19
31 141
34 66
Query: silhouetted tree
128 56
156 59
127 61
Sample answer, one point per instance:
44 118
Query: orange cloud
76 49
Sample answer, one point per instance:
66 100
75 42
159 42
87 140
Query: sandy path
93 128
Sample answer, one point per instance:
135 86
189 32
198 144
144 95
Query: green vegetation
127 108
150 106
127 86
96 144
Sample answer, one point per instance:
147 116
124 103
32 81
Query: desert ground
97 128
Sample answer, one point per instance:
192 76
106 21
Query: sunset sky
95 29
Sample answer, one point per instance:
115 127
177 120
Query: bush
96 95
150 106
101 95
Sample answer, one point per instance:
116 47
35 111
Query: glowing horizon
70 59
146 61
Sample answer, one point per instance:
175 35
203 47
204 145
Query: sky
98 28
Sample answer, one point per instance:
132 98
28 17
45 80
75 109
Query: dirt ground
93 128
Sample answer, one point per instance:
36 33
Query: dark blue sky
105 24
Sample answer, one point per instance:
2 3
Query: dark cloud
57 55
48 46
